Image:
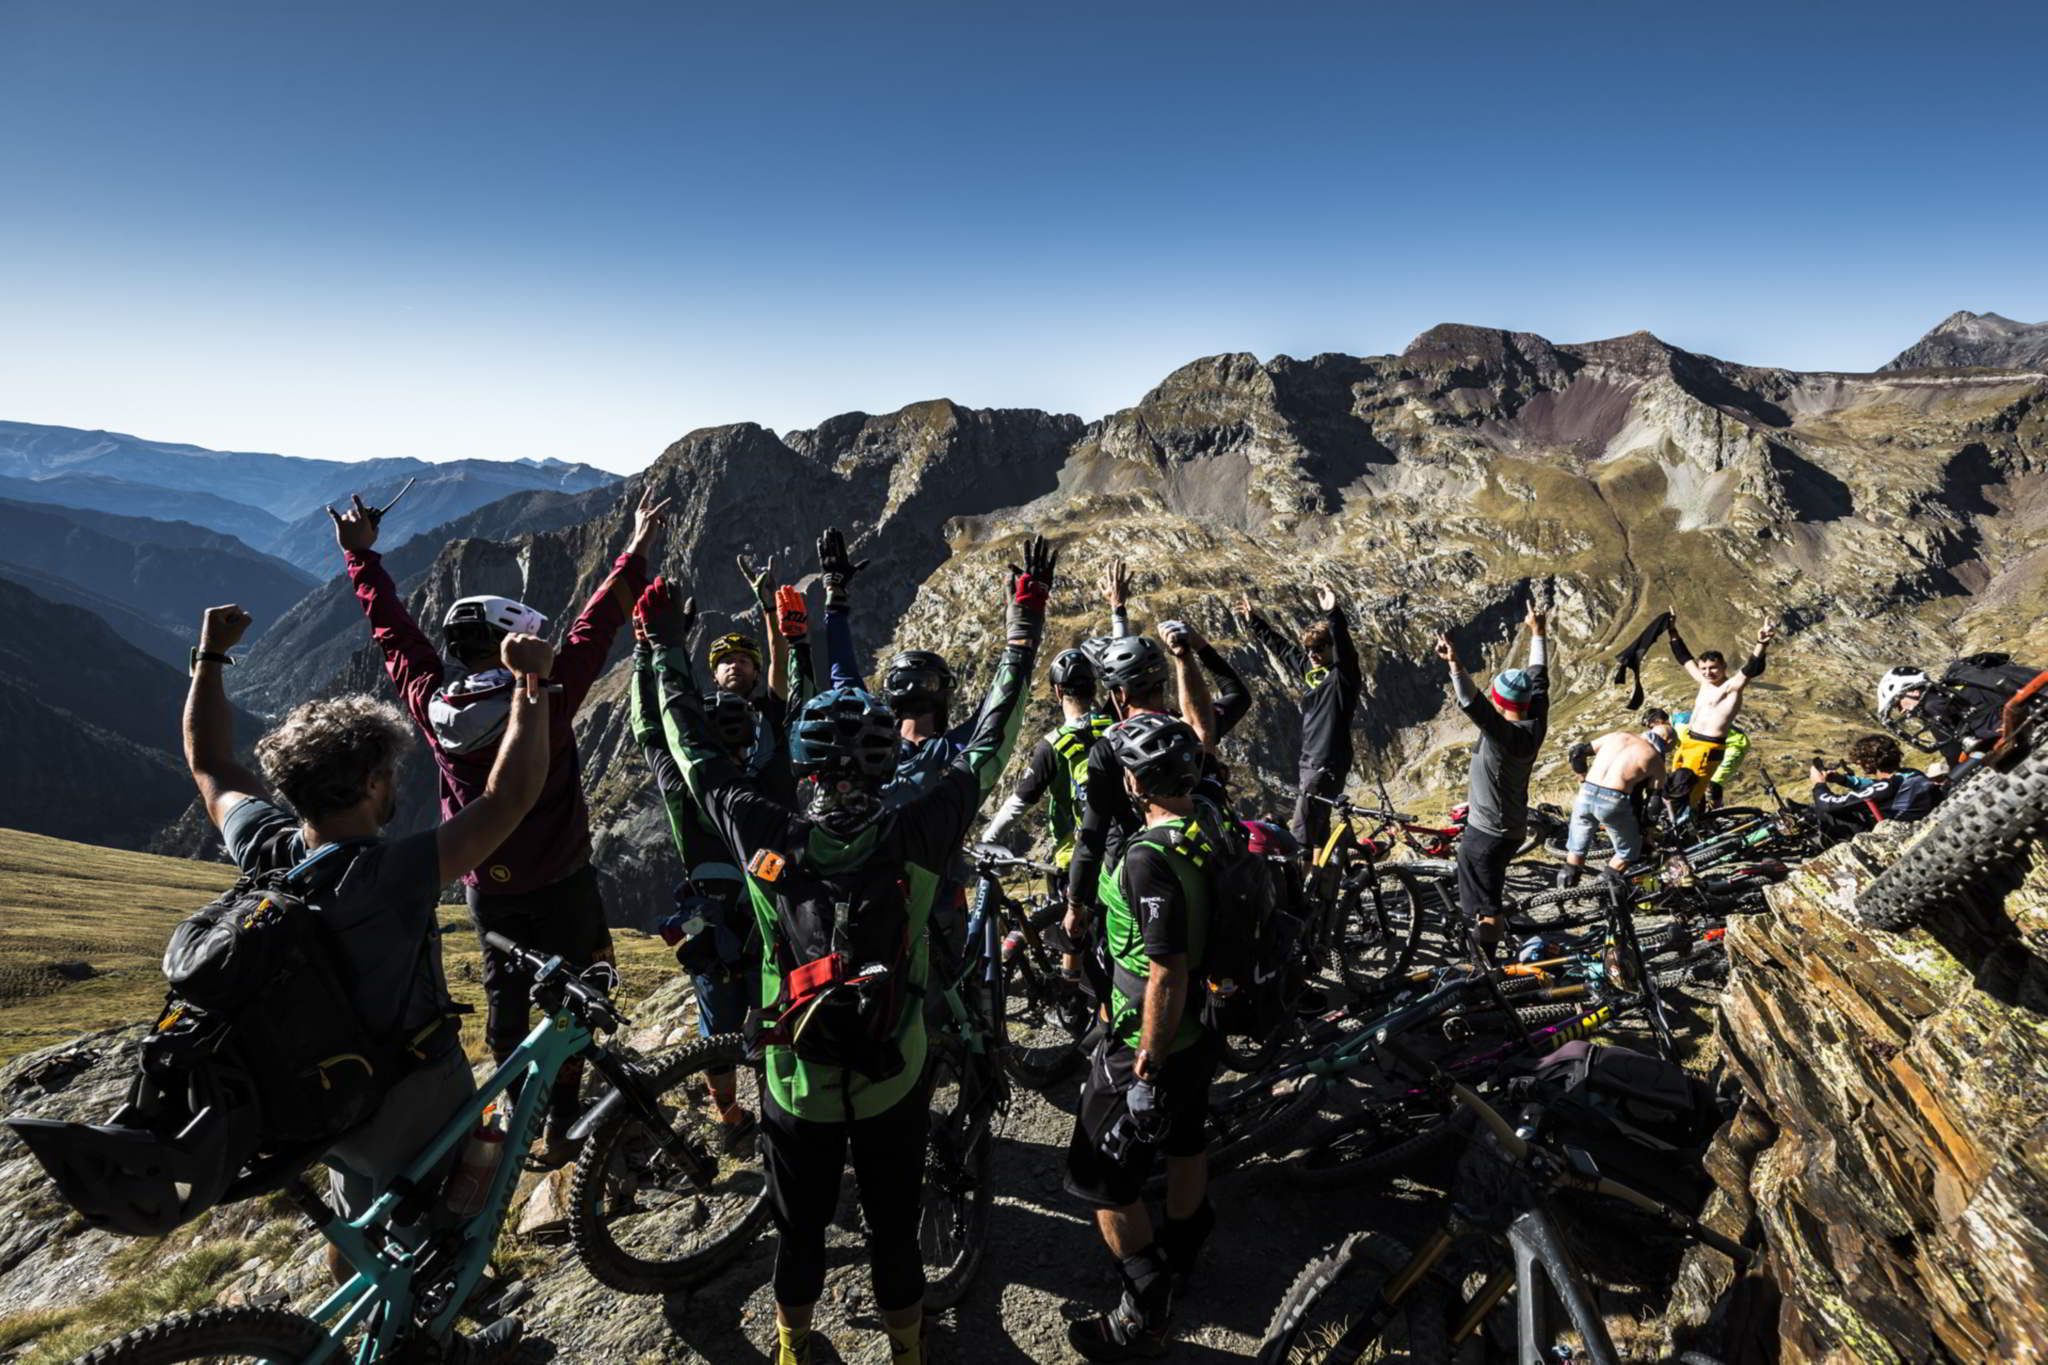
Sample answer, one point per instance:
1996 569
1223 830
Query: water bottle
469 1185
1013 943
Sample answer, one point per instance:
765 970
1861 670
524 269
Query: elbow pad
1753 666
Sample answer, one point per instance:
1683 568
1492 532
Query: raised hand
647 519
664 616
1444 650
833 559
1326 597
1536 620
1765 633
1180 638
1244 605
356 529
222 628
1116 584
792 613
761 580
1041 560
530 659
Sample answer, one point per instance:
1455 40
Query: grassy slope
64 902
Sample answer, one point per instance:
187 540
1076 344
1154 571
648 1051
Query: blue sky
444 229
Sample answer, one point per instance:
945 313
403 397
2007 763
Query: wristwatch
206 656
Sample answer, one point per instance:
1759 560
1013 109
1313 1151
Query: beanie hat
1513 686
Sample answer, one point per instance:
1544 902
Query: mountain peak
1990 340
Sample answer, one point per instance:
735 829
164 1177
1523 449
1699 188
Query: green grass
189 1282
114 910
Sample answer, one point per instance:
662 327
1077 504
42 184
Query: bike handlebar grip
502 944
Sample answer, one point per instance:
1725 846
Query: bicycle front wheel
1327 1316
228 1336
958 1191
1383 923
639 1223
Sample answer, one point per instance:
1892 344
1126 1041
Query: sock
792 1345
906 1344
1181 1239
1148 1287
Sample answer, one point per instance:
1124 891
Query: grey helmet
1135 663
1162 752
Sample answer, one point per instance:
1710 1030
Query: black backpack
1982 684
257 986
1646 1122
1250 939
842 948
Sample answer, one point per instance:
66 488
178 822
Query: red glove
792 613
658 617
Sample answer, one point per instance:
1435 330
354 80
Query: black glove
1144 1121
837 567
1029 588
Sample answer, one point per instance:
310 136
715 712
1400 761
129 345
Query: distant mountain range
1977 339
269 502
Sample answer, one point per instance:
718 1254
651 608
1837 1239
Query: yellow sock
906 1344
792 1345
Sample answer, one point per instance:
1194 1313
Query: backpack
257 986
1982 684
1646 1122
1250 939
842 950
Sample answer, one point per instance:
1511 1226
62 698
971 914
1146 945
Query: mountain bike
1365 914
403 1301
969 1088
1370 1294
1047 1011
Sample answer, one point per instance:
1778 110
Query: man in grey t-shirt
1512 719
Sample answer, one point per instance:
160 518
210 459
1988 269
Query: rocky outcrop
1892 1150
1967 338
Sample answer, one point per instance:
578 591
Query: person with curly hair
1888 790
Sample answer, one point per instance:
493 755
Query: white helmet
1895 685
500 612
469 714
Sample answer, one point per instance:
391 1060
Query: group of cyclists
819 824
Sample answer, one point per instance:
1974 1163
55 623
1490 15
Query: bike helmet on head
1162 752
1894 685
498 614
846 731
1136 663
733 644
732 719
917 676
1073 671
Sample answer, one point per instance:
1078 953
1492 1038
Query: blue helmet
848 732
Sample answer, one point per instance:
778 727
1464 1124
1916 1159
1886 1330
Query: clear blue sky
580 230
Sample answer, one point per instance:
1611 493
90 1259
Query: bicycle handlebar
551 973
1517 1148
1350 807
996 856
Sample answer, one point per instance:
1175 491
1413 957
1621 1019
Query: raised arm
1341 643
1116 587
1753 666
838 569
223 780
589 644
1291 656
1233 698
1682 651
469 837
1191 684
793 624
410 658
761 582
1476 708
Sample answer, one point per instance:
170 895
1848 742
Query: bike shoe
736 1134
1117 1336
816 1350
493 1345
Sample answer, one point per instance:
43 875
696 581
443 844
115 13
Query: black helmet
1074 671
732 720
846 731
139 1182
1135 663
917 676
1162 752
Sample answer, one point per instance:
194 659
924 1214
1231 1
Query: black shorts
565 918
1184 1084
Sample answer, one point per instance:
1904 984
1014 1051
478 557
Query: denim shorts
1607 809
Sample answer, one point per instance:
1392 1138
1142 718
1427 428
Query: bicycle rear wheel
229 1336
1045 1018
958 1190
1382 923
639 1223
1336 1291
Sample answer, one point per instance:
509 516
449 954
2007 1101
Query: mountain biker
1699 754
1958 716
1732 755
334 763
1617 767
718 946
539 889
1133 670
1147 1091
1059 760
1326 661
1889 791
842 888
1512 719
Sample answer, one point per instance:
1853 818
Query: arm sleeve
1119 622
803 674
1233 699
944 814
1038 774
1462 690
1290 654
1100 790
1539 703
1539 651
1753 666
1838 800
839 649
582 656
1345 647
649 733
1006 815
1157 899
410 658
1679 649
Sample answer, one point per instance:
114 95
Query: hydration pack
1980 685
1250 940
257 987
842 949
1645 1121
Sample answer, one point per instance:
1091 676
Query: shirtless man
1618 766
1713 712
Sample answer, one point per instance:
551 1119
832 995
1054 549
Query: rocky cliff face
1977 339
1892 1150
1878 518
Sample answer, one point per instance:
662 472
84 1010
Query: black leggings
804 1161
1483 860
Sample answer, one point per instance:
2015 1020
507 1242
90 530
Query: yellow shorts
1699 757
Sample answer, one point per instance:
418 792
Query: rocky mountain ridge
1986 339
1877 518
